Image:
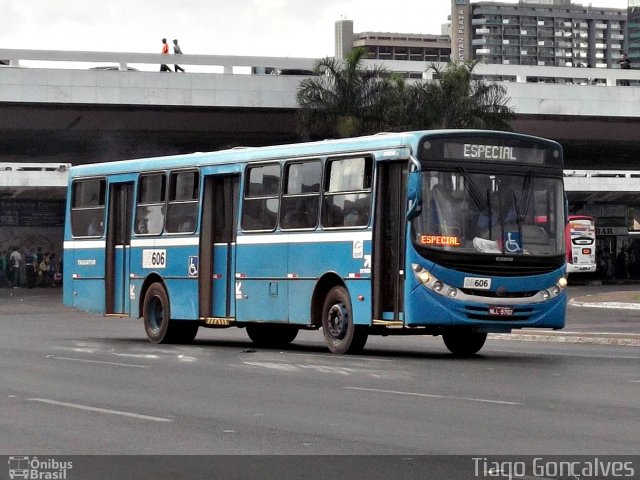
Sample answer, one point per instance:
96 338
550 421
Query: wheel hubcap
338 321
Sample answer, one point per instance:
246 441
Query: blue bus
456 233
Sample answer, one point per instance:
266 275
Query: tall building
538 32
633 29
392 46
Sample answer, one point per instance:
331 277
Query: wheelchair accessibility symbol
513 243
193 266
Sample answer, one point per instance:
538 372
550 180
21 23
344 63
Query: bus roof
379 141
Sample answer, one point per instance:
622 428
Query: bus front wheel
464 343
265 335
340 333
158 325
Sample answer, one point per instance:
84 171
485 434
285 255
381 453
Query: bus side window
261 197
347 192
87 208
150 207
182 209
301 195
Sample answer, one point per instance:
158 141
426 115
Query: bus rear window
87 208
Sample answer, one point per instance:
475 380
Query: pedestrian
53 269
621 264
165 51
7 269
625 64
177 51
2 268
30 267
43 271
15 262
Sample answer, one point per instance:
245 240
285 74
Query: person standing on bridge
177 51
165 51
625 64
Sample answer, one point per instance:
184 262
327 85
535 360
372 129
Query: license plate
501 311
477 283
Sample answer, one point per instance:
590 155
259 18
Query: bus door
389 242
118 248
216 269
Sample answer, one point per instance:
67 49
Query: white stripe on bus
165 242
313 237
271 238
84 244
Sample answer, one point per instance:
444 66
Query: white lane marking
136 355
635 381
428 395
360 359
100 410
628 306
577 355
85 360
568 332
274 366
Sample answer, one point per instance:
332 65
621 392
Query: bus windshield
490 213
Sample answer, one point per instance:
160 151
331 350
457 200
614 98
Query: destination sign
500 153
490 149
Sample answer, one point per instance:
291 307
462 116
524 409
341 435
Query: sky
278 28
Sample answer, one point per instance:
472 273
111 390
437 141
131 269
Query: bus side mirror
414 193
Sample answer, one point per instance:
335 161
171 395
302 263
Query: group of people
621 266
165 51
40 269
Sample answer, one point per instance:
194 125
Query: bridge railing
124 60
230 64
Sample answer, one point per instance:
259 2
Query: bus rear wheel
340 333
265 335
464 343
158 325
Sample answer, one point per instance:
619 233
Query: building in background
392 46
539 32
633 29
532 32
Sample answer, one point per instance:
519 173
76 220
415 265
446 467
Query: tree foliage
348 99
343 100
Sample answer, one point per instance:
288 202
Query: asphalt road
75 383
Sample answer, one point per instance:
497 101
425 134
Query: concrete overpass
77 114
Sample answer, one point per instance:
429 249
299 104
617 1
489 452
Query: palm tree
455 100
348 99
344 99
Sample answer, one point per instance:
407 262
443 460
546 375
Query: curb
617 339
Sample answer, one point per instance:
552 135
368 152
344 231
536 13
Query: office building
633 29
392 46
538 32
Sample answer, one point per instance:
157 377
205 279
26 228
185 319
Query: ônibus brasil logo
32 468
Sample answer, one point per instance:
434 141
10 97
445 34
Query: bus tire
269 335
340 333
464 343
156 312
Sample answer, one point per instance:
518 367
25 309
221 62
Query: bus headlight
554 291
432 283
